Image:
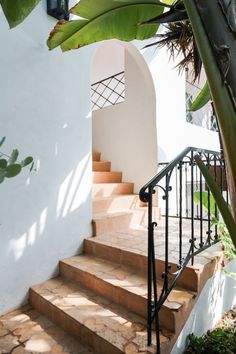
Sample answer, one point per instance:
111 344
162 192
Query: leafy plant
216 219
9 166
105 20
16 11
222 340
203 97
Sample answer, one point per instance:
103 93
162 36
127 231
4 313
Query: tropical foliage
10 166
16 11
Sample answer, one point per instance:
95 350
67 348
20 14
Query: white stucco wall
126 133
45 112
107 62
174 134
217 297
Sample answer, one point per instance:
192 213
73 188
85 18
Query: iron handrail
156 179
186 159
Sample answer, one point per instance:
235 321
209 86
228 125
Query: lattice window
108 91
204 117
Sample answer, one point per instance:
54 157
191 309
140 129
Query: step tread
127 278
136 241
111 214
113 197
117 202
108 189
115 183
113 323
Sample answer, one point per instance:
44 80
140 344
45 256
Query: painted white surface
126 133
45 111
108 62
174 134
217 297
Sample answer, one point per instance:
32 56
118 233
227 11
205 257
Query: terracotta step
115 203
101 166
108 189
127 287
96 155
122 220
107 222
106 327
107 177
129 247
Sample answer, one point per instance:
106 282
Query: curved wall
125 133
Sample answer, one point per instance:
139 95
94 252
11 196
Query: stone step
126 286
129 247
107 177
95 321
122 220
115 203
96 156
26 331
102 166
108 189
107 222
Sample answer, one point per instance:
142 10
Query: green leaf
2 175
17 10
197 199
2 140
105 20
221 203
13 170
13 156
175 14
28 160
202 98
3 163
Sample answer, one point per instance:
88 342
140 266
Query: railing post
192 206
149 273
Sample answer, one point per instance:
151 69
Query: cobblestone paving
25 331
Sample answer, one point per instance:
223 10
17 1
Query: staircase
100 297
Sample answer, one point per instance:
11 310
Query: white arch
126 133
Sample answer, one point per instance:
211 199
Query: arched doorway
125 132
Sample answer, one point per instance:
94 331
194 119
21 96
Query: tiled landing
25 331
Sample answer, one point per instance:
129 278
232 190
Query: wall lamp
58 9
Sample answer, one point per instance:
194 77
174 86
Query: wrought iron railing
108 91
202 233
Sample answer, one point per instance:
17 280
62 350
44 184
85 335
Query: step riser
118 203
101 166
133 219
102 226
81 332
106 189
96 156
188 279
129 300
107 177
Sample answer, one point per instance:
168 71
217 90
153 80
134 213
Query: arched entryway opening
125 132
